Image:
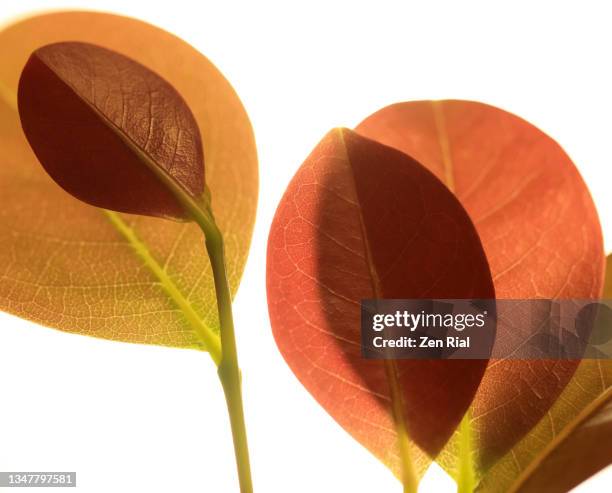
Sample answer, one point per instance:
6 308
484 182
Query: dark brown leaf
106 128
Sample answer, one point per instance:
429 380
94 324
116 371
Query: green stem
409 477
465 475
227 362
228 370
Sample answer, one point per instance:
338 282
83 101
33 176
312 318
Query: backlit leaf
572 442
539 229
361 220
104 126
74 267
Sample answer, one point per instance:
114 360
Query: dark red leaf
106 128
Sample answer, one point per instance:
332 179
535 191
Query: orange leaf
361 220
538 226
131 278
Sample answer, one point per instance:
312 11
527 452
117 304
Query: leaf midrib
207 337
391 370
443 141
466 470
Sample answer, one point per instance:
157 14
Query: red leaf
104 125
361 220
536 221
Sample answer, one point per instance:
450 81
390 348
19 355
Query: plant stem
228 370
409 478
227 367
465 475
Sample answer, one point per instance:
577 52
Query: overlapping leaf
542 238
109 130
574 439
74 267
361 220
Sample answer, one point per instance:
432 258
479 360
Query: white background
133 418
